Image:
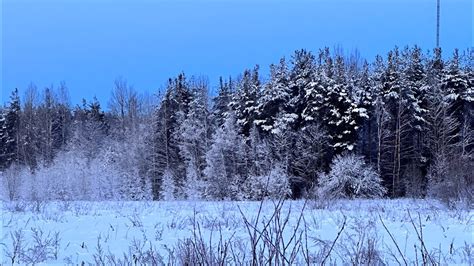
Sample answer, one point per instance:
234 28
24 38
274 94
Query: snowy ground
169 232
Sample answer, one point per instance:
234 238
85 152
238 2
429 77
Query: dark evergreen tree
302 77
221 102
417 94
165 154
245 100
365 98
10 132
458 93
160 154
328 100
341 114
273 116
4 162
398 150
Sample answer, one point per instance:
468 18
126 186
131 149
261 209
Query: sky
89 43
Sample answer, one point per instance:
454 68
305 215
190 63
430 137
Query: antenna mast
437 24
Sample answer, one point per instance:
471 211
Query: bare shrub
43 247
196 250
268 244
18 247
451 180
361 245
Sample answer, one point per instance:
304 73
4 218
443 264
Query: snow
87 228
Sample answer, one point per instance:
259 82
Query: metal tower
437 24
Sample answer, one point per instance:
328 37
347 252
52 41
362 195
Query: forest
320 125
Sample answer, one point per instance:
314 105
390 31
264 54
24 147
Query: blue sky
89 43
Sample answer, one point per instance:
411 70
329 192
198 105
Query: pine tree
3 141
166 137
221 102
398 148
164 152
380 116
393 102
468 125
417 103
341 114
245 100
183 96
328 100
410 115
302 77
316 90
10 132
459 93
365 98
417 90
274 103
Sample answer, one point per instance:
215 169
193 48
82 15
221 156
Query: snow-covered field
211 232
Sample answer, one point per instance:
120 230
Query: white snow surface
119 227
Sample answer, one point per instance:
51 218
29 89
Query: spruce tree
164 152
302 77
273 108
459 94
3 140
365 99
10 132
221 102
166 138
245 100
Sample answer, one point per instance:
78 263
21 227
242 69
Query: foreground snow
162 232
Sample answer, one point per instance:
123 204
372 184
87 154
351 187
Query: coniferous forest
321 124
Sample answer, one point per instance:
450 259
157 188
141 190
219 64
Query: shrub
350 177
274 185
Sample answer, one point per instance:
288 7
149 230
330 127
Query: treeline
404 123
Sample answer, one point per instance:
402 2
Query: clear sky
89 43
